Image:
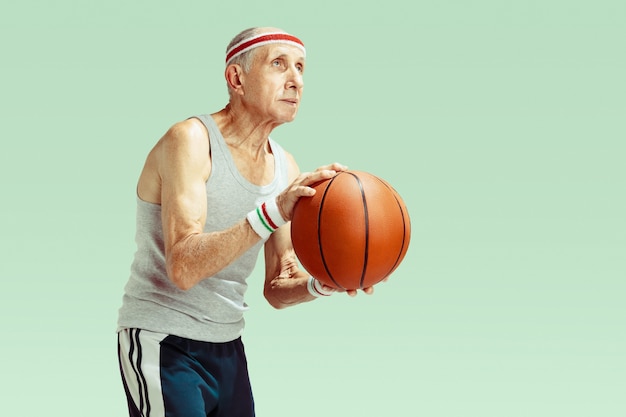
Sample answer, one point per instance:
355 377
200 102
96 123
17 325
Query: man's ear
234 77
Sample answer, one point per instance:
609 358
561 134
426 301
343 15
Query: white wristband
266 219
316 289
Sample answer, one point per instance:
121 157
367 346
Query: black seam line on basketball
395 265
319 233
367 229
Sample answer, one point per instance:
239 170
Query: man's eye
276 62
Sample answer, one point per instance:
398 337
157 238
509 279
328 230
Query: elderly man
213 191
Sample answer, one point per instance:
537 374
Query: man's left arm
286 284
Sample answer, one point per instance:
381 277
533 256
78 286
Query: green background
501 123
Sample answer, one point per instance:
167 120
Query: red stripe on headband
274 37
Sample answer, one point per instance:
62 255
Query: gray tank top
213 310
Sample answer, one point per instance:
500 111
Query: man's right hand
300 187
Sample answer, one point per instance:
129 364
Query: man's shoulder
191 128
188 133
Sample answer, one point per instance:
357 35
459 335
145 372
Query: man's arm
183 166
285 283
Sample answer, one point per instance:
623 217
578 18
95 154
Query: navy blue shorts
169 376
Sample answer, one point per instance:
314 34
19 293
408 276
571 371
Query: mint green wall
500 123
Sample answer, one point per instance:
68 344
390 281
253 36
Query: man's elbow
273 301
178 275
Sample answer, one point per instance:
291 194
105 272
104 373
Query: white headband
260 40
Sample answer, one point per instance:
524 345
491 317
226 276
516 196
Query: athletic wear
180 351
211 311
171 376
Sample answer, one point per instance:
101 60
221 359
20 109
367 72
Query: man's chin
290 118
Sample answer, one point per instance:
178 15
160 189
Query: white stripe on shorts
140 352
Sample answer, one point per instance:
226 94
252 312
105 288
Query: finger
336 166
317 176
287 199
304 191
368 290
351 293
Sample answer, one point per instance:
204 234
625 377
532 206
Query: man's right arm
183 167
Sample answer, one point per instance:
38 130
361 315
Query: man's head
264 68
242 47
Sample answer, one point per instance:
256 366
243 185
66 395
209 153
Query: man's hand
300 187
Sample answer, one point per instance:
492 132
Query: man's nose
295 79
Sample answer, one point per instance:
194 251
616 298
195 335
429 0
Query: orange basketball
353 232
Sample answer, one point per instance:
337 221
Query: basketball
353 232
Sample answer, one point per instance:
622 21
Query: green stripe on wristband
262 218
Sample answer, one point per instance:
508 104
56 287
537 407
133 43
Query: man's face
274 85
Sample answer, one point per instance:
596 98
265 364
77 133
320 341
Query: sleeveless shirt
213 309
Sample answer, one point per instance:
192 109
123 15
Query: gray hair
245 59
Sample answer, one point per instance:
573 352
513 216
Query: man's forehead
276 50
